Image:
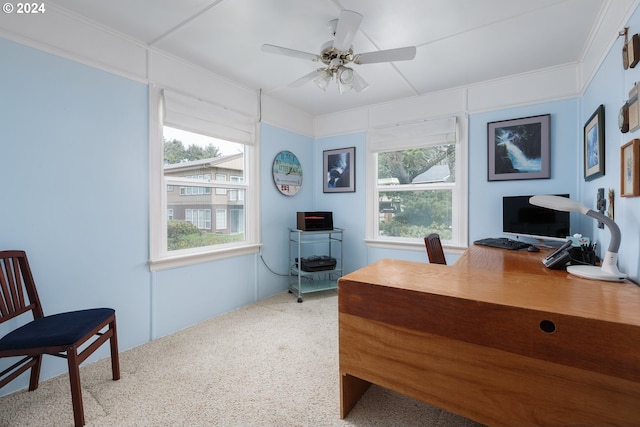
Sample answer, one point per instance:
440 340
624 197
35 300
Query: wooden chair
434 249
60 335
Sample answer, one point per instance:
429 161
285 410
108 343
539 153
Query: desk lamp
609 268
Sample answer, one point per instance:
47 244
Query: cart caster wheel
290 291
299 299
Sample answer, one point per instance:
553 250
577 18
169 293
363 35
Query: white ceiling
459 42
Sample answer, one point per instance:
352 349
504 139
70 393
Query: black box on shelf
314 221
316 263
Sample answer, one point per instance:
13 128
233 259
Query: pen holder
582 255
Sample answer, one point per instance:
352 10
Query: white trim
413 135
454 132
411 246
157 197
183 260
197 115
159 257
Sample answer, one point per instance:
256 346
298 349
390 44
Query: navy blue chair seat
57 330
73 335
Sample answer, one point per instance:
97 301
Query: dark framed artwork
594 145
630 169
339 170
519 148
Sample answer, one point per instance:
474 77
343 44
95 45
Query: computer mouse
533 249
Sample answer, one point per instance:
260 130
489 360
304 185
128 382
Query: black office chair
63 334
434 249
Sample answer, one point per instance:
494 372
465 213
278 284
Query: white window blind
413 135
195 115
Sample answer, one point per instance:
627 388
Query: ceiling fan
337 53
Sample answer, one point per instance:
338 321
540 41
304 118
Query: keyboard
502 243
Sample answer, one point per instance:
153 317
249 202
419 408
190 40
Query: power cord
269 268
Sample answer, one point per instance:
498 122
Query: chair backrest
18 293
434 249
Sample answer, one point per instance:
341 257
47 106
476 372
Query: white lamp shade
558 203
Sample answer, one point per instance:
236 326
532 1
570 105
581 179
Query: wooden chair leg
115 358
34 379
76 390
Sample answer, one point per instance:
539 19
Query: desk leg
351 390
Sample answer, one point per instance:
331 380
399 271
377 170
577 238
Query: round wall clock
287 173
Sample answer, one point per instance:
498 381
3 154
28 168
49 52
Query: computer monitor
522 219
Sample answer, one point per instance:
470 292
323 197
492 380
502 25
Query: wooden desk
496 337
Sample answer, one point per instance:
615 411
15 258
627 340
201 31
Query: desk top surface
513 278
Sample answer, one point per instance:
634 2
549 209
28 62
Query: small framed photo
630 169
519 148
594 145
339 170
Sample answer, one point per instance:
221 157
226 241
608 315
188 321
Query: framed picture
339 170
594 145
519 148
630 169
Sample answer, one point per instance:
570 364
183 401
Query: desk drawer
491 386
580 342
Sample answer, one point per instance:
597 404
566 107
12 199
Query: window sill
449 248
183 260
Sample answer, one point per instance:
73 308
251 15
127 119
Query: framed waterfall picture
519 148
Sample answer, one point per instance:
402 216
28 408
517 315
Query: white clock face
287 173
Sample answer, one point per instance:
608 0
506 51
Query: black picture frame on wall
519 148
339 170
594 145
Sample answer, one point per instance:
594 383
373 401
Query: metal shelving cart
320 242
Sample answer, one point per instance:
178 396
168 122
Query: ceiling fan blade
389 55
348 25
279 50
359 84
308 77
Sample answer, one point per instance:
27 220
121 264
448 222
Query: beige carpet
273 363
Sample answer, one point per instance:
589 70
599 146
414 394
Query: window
201 218
194 151
221 219
416 184
236 194
194 159
221 177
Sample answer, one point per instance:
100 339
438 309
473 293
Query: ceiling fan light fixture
323 80
345 75
344 78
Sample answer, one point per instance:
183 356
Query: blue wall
278 212
75 185
75 174
348 208
485 197
610 87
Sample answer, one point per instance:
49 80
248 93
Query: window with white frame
195 146
416 183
